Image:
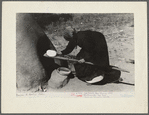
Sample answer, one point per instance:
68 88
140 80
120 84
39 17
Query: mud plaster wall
31 43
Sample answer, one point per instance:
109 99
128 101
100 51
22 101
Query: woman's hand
59 52
81 61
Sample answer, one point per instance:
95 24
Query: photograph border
57 1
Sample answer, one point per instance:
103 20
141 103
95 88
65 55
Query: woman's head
68 33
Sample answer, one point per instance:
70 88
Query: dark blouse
94 47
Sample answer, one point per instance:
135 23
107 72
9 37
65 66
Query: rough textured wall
31 43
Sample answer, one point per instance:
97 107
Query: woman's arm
71 45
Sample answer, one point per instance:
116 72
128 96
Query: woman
93 49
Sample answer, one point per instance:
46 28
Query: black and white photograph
74 57
79 52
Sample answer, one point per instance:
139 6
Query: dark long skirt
110 77
86 72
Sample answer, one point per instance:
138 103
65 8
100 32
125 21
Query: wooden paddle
75 60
